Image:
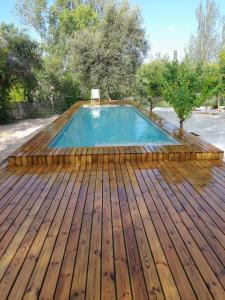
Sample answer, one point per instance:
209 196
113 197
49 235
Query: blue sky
168 23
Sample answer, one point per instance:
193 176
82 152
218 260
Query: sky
168 23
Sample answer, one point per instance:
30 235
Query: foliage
17 93
181 88
34 13
49 18
108 55
210 83
78 19
209 38
101 43
19 58
95 43
56 22
150 81
222 71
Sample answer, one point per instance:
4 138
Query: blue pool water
110 126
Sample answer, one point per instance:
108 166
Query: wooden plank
147 261
138 284
128 230
66 271
123 286
93 289
173 278
40 220
191 257
207 242
38 273
17 261
78 287
108 286
15 212
52 273
12 184
201 201
30 184
215 189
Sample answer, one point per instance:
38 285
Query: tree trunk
108 92
151 106
151 109
51 98
218 103
181 131
181 124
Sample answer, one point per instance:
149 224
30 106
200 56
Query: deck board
113 230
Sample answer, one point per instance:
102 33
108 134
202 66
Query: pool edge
37 152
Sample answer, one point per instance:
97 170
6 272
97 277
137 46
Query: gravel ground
13 135
211 127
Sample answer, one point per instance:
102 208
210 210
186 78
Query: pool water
110 126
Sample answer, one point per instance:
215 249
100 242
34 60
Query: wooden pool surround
37 151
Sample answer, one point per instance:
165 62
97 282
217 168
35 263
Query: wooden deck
113 230
37 150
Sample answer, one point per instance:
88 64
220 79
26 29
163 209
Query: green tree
213 81
108 55
65 20
57 61
222 70
56 22
99 43
19 59
150 81
47 17
78 19
181 88
210 83
220 91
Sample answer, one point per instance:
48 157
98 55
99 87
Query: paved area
211 127
12 136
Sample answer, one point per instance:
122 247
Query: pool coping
37 151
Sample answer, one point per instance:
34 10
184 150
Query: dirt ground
13 135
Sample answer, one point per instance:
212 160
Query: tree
65 20
220 91
108 54
181 88
208 40
56 22
46 17
35 14
150 81
19 59
213 81
78 19
222 68
210 84
96 42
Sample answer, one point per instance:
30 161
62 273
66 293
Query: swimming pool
110 126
